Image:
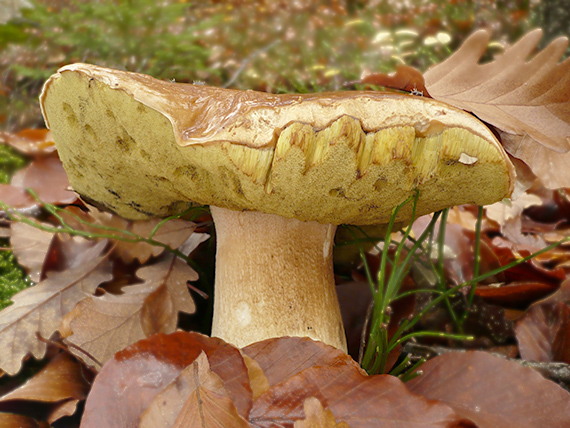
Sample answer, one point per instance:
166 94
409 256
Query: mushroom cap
143 147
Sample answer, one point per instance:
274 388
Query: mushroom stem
274 277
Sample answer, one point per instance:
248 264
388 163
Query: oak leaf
104 325
40 309
528 101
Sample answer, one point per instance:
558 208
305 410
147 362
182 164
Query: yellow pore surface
124 156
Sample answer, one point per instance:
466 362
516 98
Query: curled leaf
529 101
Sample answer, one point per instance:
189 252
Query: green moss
10 162
13 279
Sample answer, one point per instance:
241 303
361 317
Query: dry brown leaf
66 408
492 392
40 309
528 100
172 233
129 382
9 420
257 379
61 379
16 197
30 246
30 141
543 333
405 78
104 325
47 178
317 417
282 357
359 400
197 397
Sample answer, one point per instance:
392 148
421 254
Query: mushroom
279 172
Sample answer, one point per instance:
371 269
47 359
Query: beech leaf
283 357
197 397
528 100
30 246
360 401
405 78
30 141
317 416
40 309
104 325
9 420
492 392
130 381
47 178
61 379
16 197
543 333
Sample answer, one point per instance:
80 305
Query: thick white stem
274 277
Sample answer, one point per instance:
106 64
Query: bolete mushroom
279 172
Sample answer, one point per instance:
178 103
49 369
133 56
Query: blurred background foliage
269 45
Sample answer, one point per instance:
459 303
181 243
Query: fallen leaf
492 392
257 379
515 293
317 416
66 252
503 212
47 178
282 357
61 379
40 309
16 197
173 233
358 400
197 397
30 141
129 382
9 420
104 325
528 100
405 78
543 333
30 246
